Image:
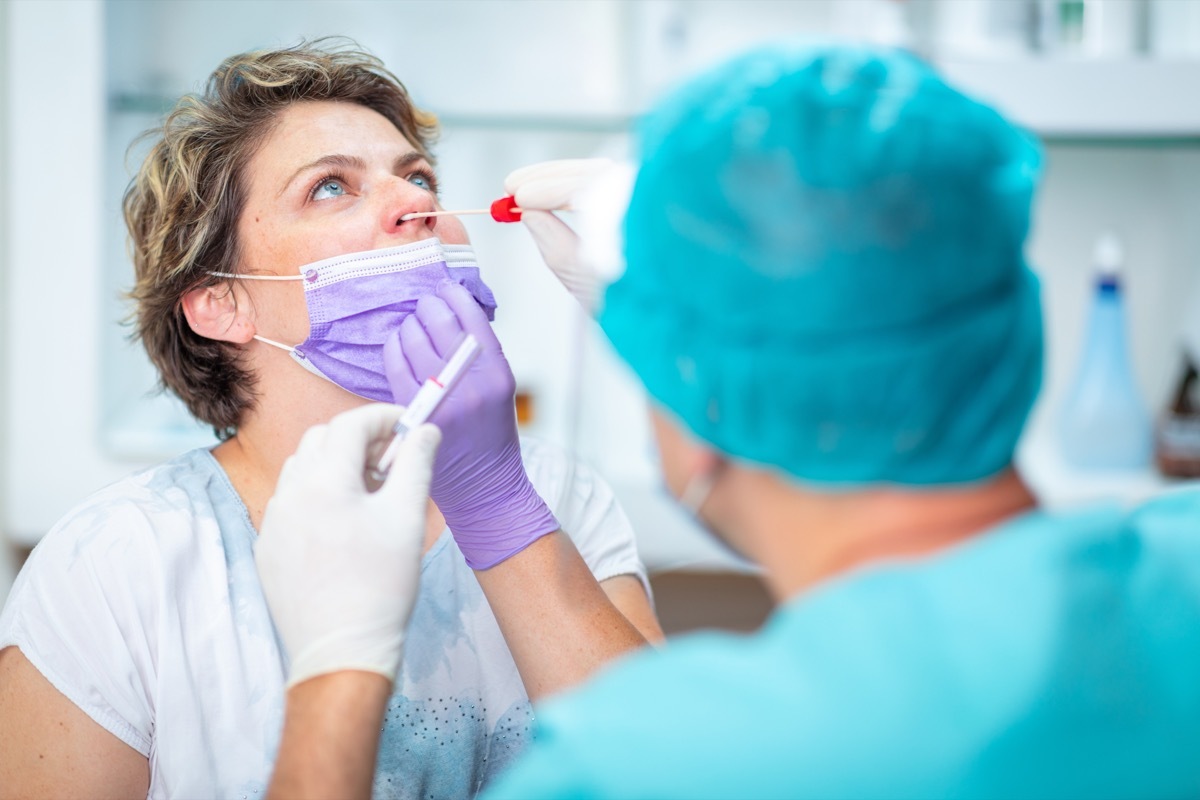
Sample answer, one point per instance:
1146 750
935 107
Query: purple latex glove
479 481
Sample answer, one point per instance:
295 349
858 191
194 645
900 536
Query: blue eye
329 187
424 180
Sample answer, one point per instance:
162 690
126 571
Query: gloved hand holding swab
597 188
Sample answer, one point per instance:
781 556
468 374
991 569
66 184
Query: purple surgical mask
356 300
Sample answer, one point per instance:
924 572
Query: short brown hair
182 207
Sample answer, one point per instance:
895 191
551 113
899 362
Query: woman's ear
214 313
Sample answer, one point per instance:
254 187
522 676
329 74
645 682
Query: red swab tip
502 210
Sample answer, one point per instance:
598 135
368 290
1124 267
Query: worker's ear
706 459
215 313
683 456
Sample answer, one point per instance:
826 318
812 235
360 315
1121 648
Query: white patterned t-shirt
143 607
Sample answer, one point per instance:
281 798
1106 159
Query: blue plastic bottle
1104 424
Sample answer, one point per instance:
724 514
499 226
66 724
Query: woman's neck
271 432
804 538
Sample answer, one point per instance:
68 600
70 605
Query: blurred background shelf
1134 101
1058 485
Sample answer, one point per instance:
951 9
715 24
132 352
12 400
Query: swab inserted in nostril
503 210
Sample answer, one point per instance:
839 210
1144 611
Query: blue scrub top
1054 656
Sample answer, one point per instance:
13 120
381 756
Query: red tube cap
502 210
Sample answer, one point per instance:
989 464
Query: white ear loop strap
698 488
263 339
274 343
257 277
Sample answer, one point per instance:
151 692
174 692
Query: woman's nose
402 197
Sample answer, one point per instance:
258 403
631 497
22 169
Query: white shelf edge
1059 486
1134 98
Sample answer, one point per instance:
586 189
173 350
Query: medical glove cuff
374 647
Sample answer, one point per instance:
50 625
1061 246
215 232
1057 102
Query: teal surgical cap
825 268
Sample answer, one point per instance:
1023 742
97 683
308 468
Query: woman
138 655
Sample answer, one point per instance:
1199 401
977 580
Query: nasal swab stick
464 212
426 401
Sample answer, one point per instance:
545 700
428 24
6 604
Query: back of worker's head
825 268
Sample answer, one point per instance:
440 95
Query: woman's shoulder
113 581
540 453
156 537
586 507
160 503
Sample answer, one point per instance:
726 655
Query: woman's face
331 178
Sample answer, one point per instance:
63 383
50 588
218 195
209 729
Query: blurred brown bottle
1177 437
1177 441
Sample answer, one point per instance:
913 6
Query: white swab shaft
418 214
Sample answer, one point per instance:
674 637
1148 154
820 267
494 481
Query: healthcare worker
827 299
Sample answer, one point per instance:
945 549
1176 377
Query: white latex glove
339 565
598 190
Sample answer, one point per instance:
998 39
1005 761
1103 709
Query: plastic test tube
428 397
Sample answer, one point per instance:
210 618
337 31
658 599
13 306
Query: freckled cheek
258 243
297 312
280 311
279 308
268 246
300 245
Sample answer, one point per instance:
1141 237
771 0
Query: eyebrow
339 161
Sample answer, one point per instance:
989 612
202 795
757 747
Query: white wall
51 327
6 554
